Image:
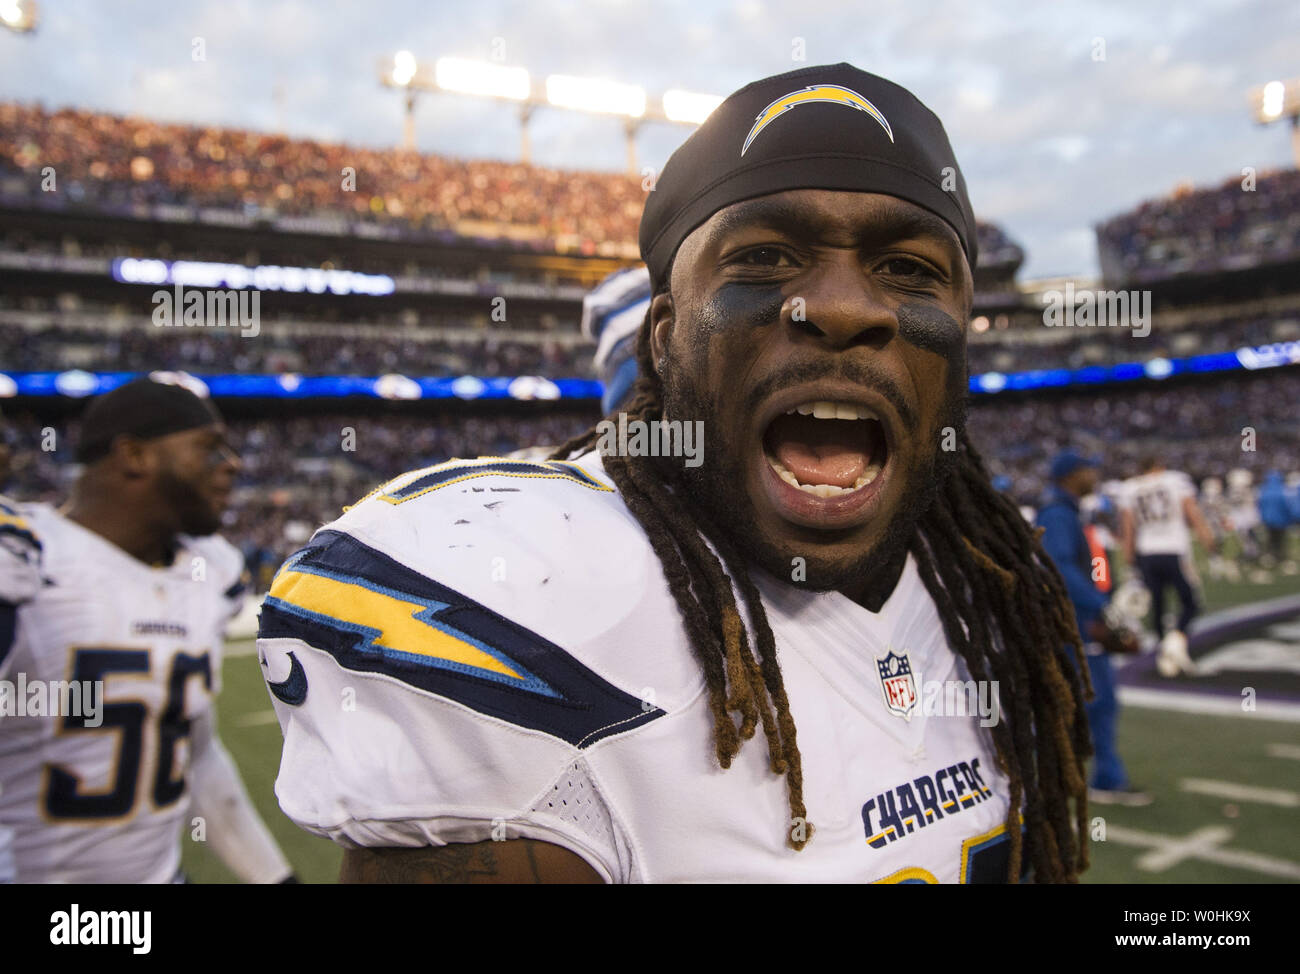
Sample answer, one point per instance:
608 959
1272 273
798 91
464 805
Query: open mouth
826 462
827 449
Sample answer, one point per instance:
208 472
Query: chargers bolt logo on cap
835 94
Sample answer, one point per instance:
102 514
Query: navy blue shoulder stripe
22 532
375 615
443 475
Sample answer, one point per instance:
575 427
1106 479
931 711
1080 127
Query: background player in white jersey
1214 506
1243 510
1159 506
20 580
134 592
568 657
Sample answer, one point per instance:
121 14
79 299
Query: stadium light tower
591 95
457 75
20 16
600 97
612 98
1276 101
403 72
487 80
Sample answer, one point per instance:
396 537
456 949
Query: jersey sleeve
420 701
224 570
1124 496
222 578
20 572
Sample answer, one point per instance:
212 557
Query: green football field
1227 788
1225 808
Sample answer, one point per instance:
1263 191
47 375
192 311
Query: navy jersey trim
293 689
375 615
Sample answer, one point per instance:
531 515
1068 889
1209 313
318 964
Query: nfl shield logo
897 685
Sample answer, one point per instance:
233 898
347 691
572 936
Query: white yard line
1250 610
1168 854
1241 793
1205 703
1168 850
1284 751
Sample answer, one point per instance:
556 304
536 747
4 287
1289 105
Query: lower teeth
824 490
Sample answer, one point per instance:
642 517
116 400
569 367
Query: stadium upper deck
1248 221
172 174
454 236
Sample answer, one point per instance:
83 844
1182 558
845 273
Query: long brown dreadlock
1001 600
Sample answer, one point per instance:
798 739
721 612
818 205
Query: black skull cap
827 127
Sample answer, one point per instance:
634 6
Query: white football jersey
20 579
20 573
1156 500
1215 509
488 649
1243 507
100 797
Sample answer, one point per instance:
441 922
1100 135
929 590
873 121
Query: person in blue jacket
1073 477
1275 512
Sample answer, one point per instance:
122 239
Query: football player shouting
499 670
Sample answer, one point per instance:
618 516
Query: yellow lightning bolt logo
399 624
835 94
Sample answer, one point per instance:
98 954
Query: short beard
715 490
194 516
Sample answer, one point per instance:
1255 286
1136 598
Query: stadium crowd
225 350
391 347
1207 229
299 472
116 163
1199 428
1075 348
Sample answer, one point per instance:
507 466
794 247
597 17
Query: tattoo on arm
441 864
532 863
514 861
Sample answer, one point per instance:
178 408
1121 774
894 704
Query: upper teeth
824 409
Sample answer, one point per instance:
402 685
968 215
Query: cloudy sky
1061 113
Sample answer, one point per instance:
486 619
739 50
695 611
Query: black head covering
143 408
826 127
